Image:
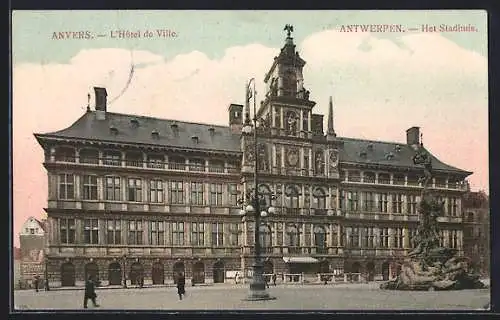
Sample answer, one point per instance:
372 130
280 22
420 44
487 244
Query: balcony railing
399 182
321 250
294 250
292 211
355 178
155 165
112 162
133 163
369 179
89 160
65 158
319 212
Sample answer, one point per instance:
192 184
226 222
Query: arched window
320 239
266 238
90 156
291 196
319 198
290 83
293 239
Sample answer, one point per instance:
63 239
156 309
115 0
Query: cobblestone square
227 297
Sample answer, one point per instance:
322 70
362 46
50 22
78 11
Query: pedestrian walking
181 285
90 293
236 278
274 279
266 280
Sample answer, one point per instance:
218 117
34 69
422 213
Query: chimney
100 102
413 136
235 117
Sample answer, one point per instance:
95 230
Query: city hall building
133 196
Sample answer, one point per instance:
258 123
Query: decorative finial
88 102
289 29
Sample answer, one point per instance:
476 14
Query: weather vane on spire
289 29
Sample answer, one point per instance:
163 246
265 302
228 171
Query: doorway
114 273
136 272
92 270
157 273
370 269
178 268
199 272
67 275
218 272
385 271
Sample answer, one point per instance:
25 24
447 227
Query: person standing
181 285
90 293
236 277
274 279
36 282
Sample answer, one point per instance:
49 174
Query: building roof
138 130
386 153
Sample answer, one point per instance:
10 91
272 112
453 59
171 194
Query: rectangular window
197 189
397 203
382 202
176 191
398 238
233 194
452 206
91 231
197 234
112 158
306 160
352 234
156 191
384 237
178 233
157 233
352 200
67 231
114 234
196 165
369 237
217 235
369 202
342 200
412 204
135 232
441 238
235 234
134 190
89 187
216 194
113 187
66 186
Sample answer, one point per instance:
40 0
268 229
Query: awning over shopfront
300 260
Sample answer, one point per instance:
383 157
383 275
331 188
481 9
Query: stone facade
144 194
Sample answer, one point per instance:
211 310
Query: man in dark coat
36 282
90 293
181 283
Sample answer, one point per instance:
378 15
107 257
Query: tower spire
248 96
88 102
331 130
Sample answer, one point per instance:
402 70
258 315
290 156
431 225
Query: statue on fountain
430 266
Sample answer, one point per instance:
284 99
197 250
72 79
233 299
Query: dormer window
389 156
155 134
370 146
362 154
134 122
174 125
211 130
397 148
113 130
195 139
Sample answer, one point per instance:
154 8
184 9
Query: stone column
283 155
338 199
101 224
301 126
446 234
329 199
275 234
274 156
303 236
145 231
446 212
282 124
273 116
78 186
330 236
309 121
339 235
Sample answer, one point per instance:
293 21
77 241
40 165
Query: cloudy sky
381 83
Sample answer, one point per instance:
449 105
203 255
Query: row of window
135 232
379 202
350 200
351 237
134 190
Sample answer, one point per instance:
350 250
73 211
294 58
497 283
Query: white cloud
380 89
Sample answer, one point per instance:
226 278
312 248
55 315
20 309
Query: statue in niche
249 154
274 87
292 123
319 162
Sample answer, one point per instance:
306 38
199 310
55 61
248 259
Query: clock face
293 157
334 158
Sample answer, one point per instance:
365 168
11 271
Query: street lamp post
254 206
